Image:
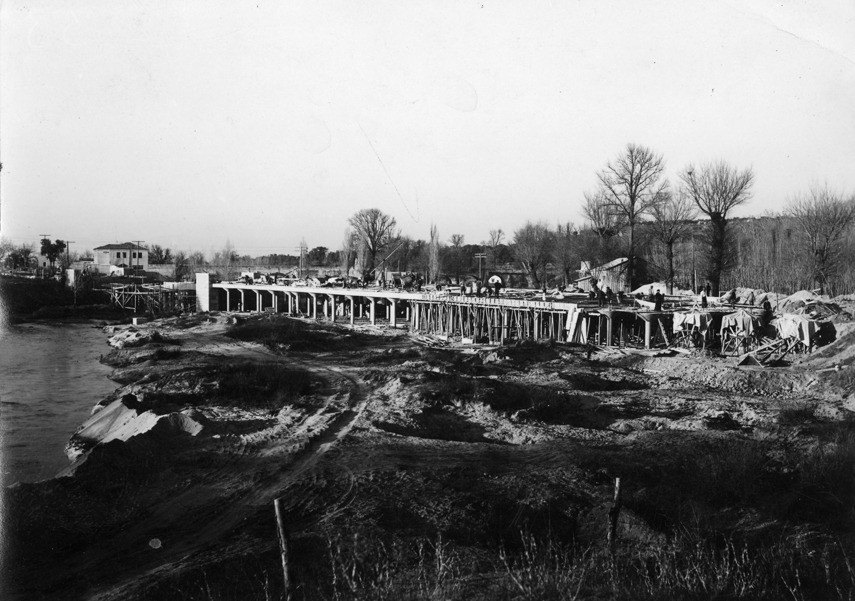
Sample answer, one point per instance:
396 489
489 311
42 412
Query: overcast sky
189 123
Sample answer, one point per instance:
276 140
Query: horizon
187 126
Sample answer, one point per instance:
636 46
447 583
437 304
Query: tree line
686 232
683 234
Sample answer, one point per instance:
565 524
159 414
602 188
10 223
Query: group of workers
477 288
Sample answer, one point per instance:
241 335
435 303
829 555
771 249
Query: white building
127 255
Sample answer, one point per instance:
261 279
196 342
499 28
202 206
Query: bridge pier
314 303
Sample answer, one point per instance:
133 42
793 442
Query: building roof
611 264
123 246
601 269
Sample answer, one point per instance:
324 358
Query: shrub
293 334
793 412
266 385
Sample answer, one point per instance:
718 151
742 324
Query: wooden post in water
614 514
284 548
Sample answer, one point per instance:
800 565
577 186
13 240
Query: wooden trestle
151 299
493 320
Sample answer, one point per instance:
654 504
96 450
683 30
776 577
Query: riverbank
23 300
429 472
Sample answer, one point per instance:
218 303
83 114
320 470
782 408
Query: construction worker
703 297
658 298
730 298
609 295
767 311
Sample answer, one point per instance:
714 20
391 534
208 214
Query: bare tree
533 248
349 250
565 251
376 229
159 255
182 265
631 187
6 249
197 259
602 219
717 188
433 254
672 220
605 224
456 242
494 241
823 216
226 261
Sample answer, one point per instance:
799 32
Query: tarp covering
790 325
691 320
740 322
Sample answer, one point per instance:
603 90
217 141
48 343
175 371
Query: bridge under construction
463 318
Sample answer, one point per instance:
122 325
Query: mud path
241 481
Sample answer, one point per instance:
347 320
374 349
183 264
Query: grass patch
823 477
795 411
538 568
284 333
266 386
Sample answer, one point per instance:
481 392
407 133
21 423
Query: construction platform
463 318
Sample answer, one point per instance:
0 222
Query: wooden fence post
614 513
284 548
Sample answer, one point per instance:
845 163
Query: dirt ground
384 439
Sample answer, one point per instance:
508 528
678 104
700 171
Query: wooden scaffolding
492 322
152 299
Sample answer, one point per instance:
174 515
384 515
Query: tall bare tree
349 250
565 252
456 257
494 241
376 229
227 262
433 254
824 216
717 188
631 186
672 220
533 248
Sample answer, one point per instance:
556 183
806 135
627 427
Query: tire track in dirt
190 522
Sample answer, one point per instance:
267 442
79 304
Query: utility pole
480 256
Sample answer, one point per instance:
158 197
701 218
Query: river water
50 378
